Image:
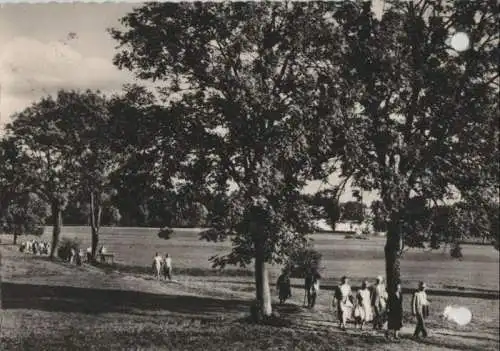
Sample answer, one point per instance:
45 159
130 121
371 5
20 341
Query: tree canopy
245 95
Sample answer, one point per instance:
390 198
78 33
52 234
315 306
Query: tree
21 212
26 214
42 163
66 146
419 119
243 107
143 132
88 126
327 201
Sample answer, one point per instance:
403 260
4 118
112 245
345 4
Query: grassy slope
359 259
51 306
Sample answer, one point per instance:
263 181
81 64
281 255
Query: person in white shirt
420 305
167 267
343 299
157 263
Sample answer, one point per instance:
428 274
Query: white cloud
30 69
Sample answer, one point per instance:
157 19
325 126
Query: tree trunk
56 226
94 223
263 293
392 258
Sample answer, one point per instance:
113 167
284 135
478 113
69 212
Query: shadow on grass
95 301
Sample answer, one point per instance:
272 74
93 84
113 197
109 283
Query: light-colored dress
344 304
364 307
157 262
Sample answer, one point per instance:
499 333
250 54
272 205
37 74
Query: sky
50 46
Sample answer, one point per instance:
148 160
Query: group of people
367 304
78 257
162 266
35 247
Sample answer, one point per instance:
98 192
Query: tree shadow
97 301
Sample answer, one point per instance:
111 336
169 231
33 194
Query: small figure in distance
167 267
157 264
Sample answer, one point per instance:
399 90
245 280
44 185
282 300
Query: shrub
165 233
65 246
456 251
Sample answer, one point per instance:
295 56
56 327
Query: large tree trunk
263 292
392 257
95 223
56 226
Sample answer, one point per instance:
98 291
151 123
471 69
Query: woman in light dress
363 311
343 296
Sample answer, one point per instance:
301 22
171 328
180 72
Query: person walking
311 287
283 286
363 311
167 267
342 298
395 307
157 262
420 306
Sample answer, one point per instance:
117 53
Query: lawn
56 306
358 259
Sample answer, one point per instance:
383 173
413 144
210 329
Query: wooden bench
107 257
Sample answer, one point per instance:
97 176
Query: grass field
358 259
52 305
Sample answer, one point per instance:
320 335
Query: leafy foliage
302 261
326 205
352 211
243 103
244 88
26 214
379 216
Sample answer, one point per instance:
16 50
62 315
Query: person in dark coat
283 286
395 307
311 286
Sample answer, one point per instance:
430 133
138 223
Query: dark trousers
420 328
311 298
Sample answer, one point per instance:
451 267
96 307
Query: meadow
56 306
358 259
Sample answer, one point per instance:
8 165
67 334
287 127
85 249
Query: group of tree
254 100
